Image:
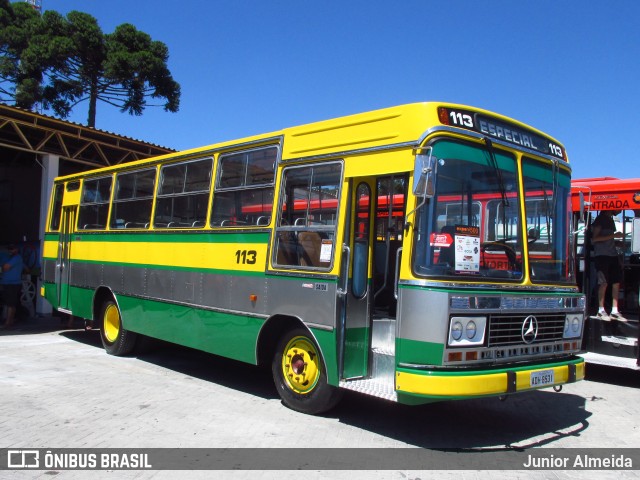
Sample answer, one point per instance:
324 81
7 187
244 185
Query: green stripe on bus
171 237
549 363
172 268
414 351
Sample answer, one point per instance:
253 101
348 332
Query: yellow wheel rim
111 322
300 365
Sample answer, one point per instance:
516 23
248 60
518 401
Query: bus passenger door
374 234
62 272
356 311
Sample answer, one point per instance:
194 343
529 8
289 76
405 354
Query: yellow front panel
451 385
477 385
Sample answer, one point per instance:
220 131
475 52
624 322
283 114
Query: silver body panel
422 314
312 299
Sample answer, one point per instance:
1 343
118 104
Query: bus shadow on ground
30 326
523 421
193 363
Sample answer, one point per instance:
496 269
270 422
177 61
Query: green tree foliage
19 23
63 61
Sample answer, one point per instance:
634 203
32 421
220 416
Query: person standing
11 281
608 266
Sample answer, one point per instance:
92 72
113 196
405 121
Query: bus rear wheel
299 374
115 339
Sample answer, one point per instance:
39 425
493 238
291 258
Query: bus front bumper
468 384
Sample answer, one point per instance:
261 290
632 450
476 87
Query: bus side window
183 194
244 189
56 209
132 199
305 236
94 205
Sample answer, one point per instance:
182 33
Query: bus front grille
508 329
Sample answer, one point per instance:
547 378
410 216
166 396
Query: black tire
115 339
300 376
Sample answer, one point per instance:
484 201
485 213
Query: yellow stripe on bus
50 249
249 257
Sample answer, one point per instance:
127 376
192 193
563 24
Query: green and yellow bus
395 252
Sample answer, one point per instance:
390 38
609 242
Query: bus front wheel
299 375
115 339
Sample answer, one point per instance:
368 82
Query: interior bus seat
134 225
232 223
446 255
287 254
311 244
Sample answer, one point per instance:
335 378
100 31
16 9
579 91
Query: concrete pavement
61 390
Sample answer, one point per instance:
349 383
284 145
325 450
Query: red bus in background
609 343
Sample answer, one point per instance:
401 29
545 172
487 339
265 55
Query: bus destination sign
501 130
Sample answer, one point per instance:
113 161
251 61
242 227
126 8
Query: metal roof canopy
25 131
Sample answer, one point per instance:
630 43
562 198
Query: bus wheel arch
101 295
298 367
270 334
116 340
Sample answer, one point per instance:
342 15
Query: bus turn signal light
443 115
455 356
471 356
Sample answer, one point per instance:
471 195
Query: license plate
541 378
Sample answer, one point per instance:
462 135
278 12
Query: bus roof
398 126
606 193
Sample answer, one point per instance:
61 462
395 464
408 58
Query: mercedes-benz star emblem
529 329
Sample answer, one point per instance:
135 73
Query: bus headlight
456 331
573 325
471 329
466 331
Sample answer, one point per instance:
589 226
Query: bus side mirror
635 239
581 197
423 173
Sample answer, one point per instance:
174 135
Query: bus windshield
473 226
547 208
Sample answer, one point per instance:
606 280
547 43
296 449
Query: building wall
19 201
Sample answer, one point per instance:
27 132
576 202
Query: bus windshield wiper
554 199
547 213
494 163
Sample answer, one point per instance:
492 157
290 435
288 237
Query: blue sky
569 68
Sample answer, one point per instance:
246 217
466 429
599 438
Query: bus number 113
246 256
461 119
